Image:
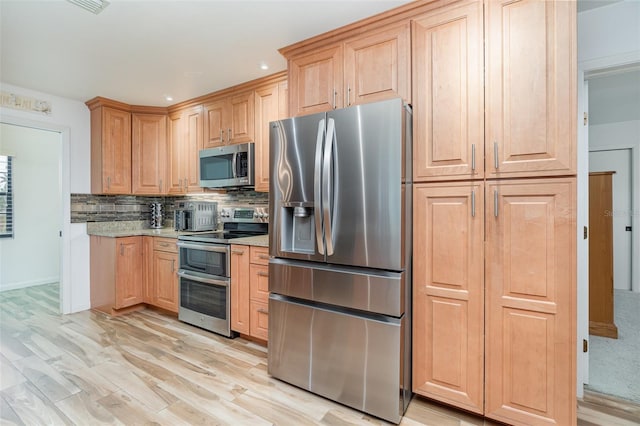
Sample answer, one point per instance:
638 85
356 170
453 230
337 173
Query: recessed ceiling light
168 98
93 6
264 66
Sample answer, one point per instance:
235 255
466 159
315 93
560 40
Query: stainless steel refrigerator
340 245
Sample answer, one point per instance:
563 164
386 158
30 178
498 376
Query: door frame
65 202
586 69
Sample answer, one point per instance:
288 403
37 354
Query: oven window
206 299
203 261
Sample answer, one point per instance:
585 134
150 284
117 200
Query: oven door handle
203 280
207 247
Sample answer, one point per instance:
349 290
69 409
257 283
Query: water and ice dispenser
298 228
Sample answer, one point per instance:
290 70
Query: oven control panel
245 214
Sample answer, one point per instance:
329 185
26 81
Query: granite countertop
260 241
133 229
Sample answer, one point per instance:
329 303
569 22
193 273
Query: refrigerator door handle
317 187
327 190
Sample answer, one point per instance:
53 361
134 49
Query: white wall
72 119
32 256
609 31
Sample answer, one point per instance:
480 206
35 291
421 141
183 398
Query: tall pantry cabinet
494 208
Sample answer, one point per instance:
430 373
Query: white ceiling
140 51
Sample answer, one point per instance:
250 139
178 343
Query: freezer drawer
368 290
354 360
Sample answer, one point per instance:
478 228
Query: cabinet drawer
259 255
165 244
259 323
259 283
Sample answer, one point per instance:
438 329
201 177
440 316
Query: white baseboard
32 283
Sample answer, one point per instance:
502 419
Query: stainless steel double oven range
204 271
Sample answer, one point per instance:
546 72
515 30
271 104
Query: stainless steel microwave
229 166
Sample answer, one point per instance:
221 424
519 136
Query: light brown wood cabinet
530 105
448 100
164 287
116 273
229 120
250 290
185 140
149 153
448 293
110 147
240 314
270 105
530 310
530 88
372 66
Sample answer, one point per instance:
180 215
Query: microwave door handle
317 187
202 280
234 165
327 193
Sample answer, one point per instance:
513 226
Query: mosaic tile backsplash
111 208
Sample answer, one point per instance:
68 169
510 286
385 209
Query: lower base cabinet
250 290
164 288
494 293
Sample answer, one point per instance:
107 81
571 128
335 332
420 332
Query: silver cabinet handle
263 274
160 185
348 94
263 256
221 136
108 183
317 187
121 249
496 163
237 252
334 98
473 157
173 266
495 202
473 203
180 184
229 135
263 311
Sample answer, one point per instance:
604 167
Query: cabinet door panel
215 129
530 88
240 314
378 66
448 94
316 82
530 302
193 126
129 274
116 151
448 316
149 152
259 319
259 282
267 102
175 167
241 118
165 285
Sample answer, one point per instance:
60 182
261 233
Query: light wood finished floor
148 368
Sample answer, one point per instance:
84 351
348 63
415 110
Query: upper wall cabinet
270 105
149 154
372 66
448 102
530 88
110 147
229 120
184 143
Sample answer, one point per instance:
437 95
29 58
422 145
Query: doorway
38 201
614 145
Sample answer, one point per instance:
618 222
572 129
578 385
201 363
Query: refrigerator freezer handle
327 190
317 187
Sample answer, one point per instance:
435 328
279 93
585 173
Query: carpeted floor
614 364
